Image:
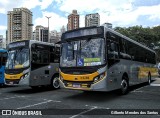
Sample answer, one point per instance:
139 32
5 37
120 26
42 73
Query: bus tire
124 86
149 78
55 82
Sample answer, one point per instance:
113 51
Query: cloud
3 27
109 10
117 12
8 5
92 5
45 3
55 22
2 10
152 11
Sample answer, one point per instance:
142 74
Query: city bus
33 63
3 58
101 59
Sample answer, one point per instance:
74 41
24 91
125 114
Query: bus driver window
112 50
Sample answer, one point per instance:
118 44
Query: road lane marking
92 108
38 104
83 112
139 88
12 97
154 84
137 91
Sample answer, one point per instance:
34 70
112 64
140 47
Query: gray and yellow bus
101 59
32 63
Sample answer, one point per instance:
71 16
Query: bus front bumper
99 86
24 80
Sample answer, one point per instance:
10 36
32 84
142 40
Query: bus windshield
18 58
89 52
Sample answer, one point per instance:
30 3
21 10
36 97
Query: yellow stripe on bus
86 77
13 77
143 72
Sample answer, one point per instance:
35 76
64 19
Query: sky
121 13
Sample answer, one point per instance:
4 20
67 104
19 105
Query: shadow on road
102 96
8 86
79 95
134 87
31 91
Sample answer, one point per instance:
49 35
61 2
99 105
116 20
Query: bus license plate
10 82
76 85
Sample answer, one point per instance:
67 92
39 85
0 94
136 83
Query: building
73 20
55 36
44 34
63 29
19 25
41 33
2 42
7 42
38 32
108 25
92 20
34 35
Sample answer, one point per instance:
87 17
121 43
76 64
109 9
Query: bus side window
113 50
34 56
40 54
124 49
4 58
55 55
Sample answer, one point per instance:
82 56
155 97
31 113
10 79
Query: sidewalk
156 82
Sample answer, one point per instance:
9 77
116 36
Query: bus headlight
99 77
24 76
96 79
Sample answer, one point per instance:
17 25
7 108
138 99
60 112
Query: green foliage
147 36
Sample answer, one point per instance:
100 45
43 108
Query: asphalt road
65 103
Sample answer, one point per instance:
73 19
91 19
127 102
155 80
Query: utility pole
48 28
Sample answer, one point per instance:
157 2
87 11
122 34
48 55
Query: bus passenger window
34 57
4 58
113 51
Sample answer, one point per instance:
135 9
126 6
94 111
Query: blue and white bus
3 58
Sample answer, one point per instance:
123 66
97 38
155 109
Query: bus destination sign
17 44
82 32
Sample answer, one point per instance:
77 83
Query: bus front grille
77 84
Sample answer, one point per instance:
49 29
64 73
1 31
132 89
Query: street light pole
48 27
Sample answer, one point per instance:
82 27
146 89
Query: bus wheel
124 86
55 82
149 78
